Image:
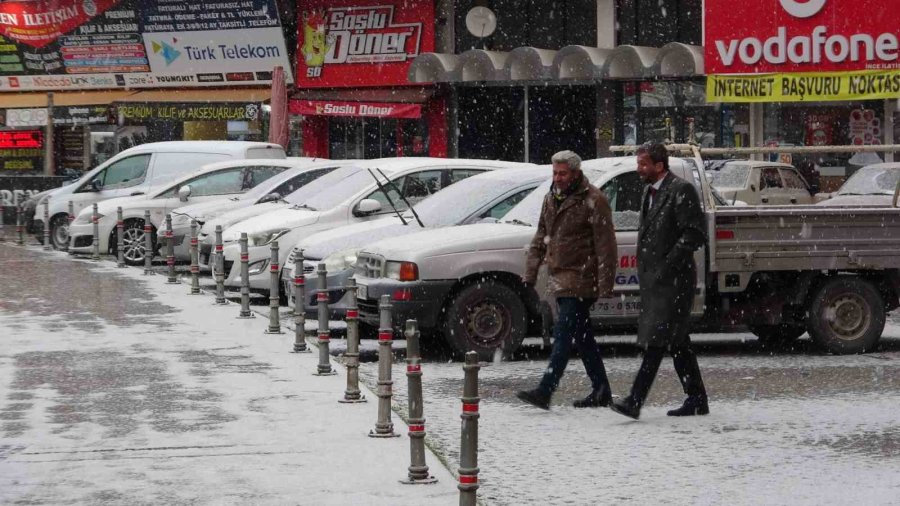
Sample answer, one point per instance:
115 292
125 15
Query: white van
137 171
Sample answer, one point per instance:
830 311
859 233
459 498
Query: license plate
362 292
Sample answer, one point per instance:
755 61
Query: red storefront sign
800 36
354 109
352 43
22 139
40 23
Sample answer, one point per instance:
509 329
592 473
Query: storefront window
367 138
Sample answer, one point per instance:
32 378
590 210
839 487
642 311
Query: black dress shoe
626 407
692 406
596 399
536 397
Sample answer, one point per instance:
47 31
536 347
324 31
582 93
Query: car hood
450 240
857 200
287 218
229 218
204 211
357 235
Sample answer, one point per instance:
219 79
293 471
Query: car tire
846 315
59 231
134 242
779 334
484 317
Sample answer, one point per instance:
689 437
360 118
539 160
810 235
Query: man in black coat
671 229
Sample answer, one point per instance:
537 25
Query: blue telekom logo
168 52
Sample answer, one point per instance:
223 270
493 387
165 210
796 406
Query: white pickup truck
781 270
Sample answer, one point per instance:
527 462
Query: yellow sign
804 86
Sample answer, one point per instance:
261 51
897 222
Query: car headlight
181 220
265 237
257 267
401 271
341 260
85 218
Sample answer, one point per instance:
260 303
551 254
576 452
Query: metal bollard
324 367
2 218
120 239
217 260
299 305
418 469
245 279
468 448
384 427
352 393
148 244
70 217
172 278
274 291
195 260
95 224
20 228
47 224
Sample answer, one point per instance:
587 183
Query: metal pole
47 224
299 305
48 139
324 367
148 244
468 448
120 239
384 427
70 217
2 218
195 260
95 227
171 278
218 262
245 279
274 291
20 229
352 393
527 148
418 469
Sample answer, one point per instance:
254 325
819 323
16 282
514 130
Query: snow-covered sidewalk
176 401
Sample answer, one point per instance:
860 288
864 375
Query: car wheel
59 231
484 317
134 242
846 315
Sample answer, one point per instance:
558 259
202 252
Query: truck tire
780 334
846 316
134 242
486 316
59 231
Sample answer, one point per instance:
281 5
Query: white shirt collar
657 185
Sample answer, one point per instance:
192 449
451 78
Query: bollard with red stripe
95 222
171 278
217 262
384 427
245 278
418 469
47 224
120 239
299 303
468 451
324 343
195 258
70 217
274 291
20 228
352 393
148 244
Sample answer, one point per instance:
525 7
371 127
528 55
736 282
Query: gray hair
568 157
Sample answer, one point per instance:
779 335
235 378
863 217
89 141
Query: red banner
355 109
800 36
352 43
40 23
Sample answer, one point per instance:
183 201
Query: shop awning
432 67
481 65
580 62
354 109
678 60
62 98
201 95
529 64
630 62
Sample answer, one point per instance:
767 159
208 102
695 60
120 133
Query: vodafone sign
768 36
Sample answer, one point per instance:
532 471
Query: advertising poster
78 44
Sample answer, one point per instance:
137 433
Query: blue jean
574 323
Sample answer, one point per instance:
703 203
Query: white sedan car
214 181
872 185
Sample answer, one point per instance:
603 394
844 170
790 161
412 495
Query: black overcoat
670 231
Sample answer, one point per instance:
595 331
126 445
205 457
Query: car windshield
730 175
336 186
458 201
528 211
872 181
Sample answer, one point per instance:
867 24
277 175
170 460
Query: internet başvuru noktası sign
801 50
77 44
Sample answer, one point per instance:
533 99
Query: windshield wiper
408 205
304 206
518 222
385 193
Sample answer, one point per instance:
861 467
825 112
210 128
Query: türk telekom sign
354 43
764 36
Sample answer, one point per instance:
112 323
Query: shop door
367 138
686 124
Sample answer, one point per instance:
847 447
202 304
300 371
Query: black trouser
685 365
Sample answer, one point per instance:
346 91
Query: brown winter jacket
577 241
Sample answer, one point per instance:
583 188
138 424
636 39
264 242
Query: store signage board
21 149
355 109
78 44
137 112
804 86
355 43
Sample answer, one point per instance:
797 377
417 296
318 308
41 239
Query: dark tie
651 196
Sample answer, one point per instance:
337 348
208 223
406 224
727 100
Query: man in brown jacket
577 241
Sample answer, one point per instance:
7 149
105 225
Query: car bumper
258 256
338 299
81 238
422 301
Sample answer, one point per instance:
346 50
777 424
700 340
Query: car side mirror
272 197
753 187
96 185
367 206
184 192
